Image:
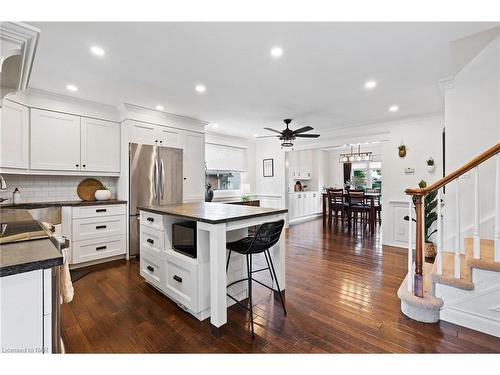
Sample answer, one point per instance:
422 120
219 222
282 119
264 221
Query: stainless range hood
18 42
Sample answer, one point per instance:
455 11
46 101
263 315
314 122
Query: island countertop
211 212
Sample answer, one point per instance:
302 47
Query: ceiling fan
287 136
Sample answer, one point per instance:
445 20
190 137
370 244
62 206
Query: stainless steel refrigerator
155 178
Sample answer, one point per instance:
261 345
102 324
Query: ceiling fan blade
269 136
302 130
272 130
307 135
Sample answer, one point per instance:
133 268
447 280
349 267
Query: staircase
461 286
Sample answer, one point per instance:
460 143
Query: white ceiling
318 81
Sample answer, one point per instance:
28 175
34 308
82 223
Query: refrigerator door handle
162 179
155 179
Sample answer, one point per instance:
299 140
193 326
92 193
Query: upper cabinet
300 164
14 136
151 134
100 145
63 142
55 141
193 166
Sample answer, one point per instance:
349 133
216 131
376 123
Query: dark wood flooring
340 296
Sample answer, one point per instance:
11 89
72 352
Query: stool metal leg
250 304
228 258
273 272
268 266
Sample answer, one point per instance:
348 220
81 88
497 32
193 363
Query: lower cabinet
303 204
95 232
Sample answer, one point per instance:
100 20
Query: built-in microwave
184 238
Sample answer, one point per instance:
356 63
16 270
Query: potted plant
103 193
402 150
245 198
430 165
430 216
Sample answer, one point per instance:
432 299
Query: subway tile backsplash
49 188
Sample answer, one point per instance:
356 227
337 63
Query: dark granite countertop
211 212
25 256
33 205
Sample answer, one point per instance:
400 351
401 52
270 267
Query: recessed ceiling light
98 51
276 51
71 88
393 108
160 107
370 85
200 88
255 135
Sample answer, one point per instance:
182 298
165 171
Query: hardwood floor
340 296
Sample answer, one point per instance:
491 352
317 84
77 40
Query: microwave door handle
162 180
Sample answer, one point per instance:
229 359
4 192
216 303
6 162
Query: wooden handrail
492 151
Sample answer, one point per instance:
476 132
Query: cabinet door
100 145
306 164
55 141
300 205
169 137
291 206
14 136
194 166
292 164
143 133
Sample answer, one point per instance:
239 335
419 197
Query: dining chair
336 204
377 202
357 205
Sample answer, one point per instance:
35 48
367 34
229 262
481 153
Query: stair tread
487 253
448 275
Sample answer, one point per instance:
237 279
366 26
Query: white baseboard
475 322
302 219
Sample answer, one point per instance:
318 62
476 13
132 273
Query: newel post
418 284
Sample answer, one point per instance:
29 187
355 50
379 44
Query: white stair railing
439 234
475 235
410 245
497 211
457 231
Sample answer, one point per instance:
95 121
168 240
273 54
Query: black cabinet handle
100 227
77 165
101 210
150 219
151 269
177 278
101 248
185 178
150 241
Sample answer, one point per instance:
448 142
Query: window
224 180
366 175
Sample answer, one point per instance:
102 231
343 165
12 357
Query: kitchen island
199 284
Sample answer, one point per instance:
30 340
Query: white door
100 145
14 135
169 137
55 141
194 166
143 133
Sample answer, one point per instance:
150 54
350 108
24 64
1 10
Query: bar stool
267 235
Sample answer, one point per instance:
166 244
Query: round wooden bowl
87 188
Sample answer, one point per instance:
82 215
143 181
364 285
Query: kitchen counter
33 205
19 257
211 212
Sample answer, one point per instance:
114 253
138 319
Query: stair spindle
410 246
457 230
497 211
476 238
439 255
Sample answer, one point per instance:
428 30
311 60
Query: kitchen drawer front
83 212
84 251
98 227
152 220
182 280
152 239
153 269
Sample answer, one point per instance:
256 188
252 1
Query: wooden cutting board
87 188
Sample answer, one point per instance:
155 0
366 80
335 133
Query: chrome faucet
3 187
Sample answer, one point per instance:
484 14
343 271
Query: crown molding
447 83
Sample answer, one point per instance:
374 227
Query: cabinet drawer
152 269
182 280
152 220
152 240
98 227
83 212
84 251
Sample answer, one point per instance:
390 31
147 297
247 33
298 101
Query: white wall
472 115
275 186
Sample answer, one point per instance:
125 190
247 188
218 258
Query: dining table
370 196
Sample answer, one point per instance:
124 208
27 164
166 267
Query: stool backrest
267 236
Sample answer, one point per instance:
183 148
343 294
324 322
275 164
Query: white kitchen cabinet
22 312
14 136
169 137
100 145
304 204
193 166
300 164
143 133
291 206
55 141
